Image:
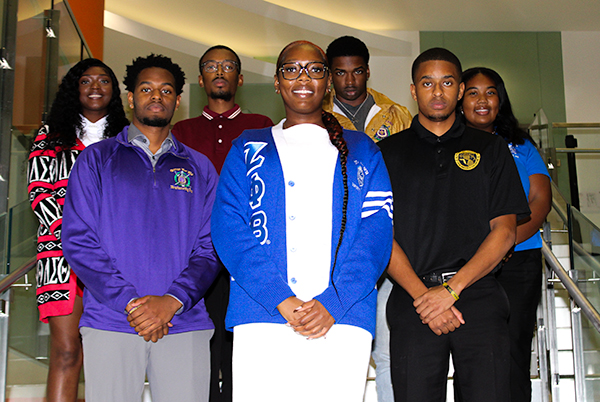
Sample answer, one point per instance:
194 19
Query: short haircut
436 53
347 46
221 47
153 60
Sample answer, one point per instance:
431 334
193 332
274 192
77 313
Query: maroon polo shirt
212 133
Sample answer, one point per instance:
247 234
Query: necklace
349 114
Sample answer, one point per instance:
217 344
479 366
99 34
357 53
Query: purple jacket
130 230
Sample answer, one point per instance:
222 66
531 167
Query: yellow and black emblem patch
467 160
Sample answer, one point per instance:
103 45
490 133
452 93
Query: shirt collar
99 123
135 132
455 131
230 114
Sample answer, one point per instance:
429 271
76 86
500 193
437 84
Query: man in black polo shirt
457 198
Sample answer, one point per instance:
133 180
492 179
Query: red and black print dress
48 173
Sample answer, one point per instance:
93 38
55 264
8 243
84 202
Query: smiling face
220 84
95 93
437 89
481 103
303 96
350 75
154 100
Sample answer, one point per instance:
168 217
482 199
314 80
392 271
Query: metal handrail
575 125
17 274
578 150
590 312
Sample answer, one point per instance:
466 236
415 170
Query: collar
380 99
135 132
177 147
455 131
100 123
230 114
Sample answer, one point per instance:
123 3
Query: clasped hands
310 319
151 316
436 309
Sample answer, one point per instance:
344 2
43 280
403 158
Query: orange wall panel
90 18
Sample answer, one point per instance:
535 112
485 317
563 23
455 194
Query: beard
438 117
155 122
152 121
223 95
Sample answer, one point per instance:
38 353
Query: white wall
391 75
581 58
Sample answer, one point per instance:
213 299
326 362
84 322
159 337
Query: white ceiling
260 28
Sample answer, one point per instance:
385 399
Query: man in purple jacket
136 230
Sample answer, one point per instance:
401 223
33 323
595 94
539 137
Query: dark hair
153 60
347 46
64 121
335 131
221 47
506 124
298 43
435 53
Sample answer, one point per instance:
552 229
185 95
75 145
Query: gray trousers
116 365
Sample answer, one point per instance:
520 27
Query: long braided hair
336 132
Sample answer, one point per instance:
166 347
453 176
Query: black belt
438 277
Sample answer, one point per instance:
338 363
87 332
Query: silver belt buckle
447 275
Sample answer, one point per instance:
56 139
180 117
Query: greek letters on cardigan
253 160
258 220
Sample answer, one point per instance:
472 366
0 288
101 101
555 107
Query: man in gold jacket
354 105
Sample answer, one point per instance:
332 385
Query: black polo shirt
446 191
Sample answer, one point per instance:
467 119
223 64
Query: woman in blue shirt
486 106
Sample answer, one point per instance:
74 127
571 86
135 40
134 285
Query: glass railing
47 43
585 261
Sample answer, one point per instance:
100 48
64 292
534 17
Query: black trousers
221 344
521 278
480 348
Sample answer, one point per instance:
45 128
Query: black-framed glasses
315 70
211 66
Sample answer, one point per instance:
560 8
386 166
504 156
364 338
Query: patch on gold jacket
467 160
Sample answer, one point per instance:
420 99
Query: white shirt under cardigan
92 132
308 159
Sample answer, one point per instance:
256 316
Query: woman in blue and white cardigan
303 223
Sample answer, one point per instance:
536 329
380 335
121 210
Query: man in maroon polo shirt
211 133
222 119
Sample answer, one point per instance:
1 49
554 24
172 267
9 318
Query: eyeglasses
211 66
314 70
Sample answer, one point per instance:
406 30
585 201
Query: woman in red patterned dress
87 108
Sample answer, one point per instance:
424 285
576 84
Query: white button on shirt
308 160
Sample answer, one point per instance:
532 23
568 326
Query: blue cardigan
249 232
